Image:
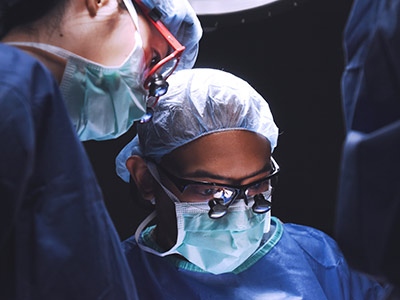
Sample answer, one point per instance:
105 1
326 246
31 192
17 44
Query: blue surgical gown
56 239
298 262
368 210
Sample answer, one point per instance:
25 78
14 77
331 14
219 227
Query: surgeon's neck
55 64
166 231
165 235
161 239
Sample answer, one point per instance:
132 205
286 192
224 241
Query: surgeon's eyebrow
205 174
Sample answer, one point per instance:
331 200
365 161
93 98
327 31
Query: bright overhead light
216 7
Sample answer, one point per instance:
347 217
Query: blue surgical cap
199 102
181 20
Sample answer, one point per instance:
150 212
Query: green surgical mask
214 245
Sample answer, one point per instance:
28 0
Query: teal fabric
264 248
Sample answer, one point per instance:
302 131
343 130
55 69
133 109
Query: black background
292 55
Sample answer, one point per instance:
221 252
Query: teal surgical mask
214 245
103 102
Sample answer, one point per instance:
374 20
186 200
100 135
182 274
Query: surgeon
72 71
205 161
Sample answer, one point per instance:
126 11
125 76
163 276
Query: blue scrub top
57 240
368 209
298 262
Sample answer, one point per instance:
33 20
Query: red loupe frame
172 41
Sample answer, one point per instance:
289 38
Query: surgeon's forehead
234 154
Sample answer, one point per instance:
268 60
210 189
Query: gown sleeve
57 240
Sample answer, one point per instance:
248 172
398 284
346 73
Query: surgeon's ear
94 5
141 176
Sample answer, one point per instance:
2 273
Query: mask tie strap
132 11
154 172
57 51
139 231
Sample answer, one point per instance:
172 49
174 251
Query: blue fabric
369 178
304 264
371 80
56 238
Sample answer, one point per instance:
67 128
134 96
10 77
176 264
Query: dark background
291 54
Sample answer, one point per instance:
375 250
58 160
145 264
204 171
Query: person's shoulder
133 253
23 73
129 244
316 244
10 55
307 232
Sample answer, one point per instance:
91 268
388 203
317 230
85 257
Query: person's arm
16 155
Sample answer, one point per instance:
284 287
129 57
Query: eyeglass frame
153 15
182 183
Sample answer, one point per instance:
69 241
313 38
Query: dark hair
14 13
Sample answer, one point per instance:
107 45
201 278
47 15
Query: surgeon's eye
155 59
258 188
202 192
208 191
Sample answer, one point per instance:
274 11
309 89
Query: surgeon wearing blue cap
71 71
205 161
